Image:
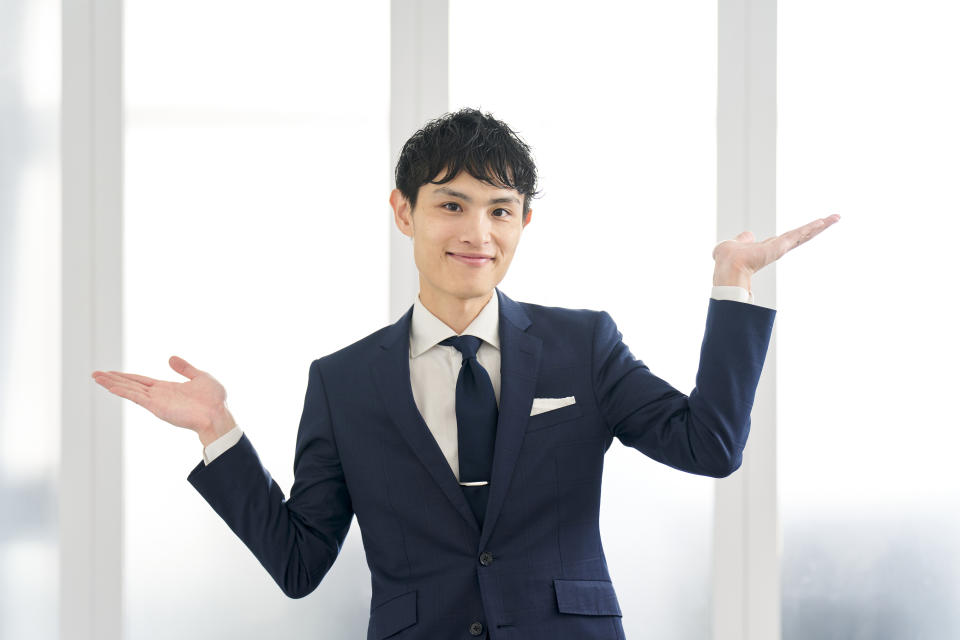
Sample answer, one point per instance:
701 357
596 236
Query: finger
110 381
115 377
795 237
144 380
183 367
745 236
126 391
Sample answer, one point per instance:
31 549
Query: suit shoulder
354 353
562 320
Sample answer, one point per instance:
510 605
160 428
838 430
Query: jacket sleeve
705 432
296 540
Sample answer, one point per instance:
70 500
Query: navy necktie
476 424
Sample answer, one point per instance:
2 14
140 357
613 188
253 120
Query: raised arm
705 432
296 540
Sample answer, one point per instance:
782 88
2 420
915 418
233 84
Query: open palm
744 254
190 404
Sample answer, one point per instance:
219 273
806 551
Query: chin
474 292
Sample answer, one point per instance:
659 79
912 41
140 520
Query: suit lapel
519 367
391 371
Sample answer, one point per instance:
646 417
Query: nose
476 229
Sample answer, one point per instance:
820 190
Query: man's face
464 235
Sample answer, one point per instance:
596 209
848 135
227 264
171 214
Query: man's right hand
198 404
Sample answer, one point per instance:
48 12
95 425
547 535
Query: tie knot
466 345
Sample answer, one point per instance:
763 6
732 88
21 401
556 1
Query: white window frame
746 548
90 493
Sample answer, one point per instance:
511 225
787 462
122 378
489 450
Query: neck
456 313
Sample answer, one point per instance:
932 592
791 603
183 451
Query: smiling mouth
477 260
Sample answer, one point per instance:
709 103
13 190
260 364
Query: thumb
746 236
183 367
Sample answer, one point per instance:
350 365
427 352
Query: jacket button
486 558
476 629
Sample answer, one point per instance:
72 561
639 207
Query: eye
505 211
451 206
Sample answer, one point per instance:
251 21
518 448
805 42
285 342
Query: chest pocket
559 382
554 416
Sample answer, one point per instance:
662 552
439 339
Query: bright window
256 207
30 327
868 341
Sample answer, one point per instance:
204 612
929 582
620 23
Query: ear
401 212
528 217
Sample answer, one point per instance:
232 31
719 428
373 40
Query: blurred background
174 176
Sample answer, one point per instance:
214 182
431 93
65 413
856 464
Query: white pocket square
542 405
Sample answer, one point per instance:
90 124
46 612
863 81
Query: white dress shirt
434 369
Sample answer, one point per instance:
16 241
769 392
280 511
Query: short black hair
467 140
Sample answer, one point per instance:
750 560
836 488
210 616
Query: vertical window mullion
418 92
746 581
90 487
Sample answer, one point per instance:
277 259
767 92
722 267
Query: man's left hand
738 259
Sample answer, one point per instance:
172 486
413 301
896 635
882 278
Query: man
468 437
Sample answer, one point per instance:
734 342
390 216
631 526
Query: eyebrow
457 194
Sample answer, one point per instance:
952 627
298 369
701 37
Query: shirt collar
426 329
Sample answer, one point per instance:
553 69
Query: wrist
221 421
731 277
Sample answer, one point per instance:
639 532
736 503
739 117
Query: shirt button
486 558
476 629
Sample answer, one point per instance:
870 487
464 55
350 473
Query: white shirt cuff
221 444
732 292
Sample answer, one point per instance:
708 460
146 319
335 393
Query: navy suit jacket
536 569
